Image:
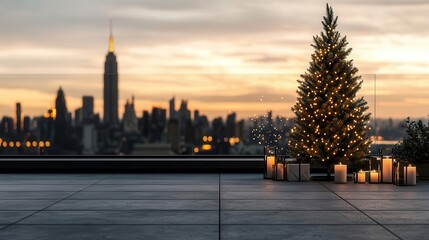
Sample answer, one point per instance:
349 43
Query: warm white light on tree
331 123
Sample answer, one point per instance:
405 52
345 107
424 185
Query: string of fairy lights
269 130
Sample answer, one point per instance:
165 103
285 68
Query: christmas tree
331 123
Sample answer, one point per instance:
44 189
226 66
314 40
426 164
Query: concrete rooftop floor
186 206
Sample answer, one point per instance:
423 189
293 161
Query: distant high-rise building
26 124
239 129
196 117
183 115
111 86
163 117
6 127
130 119
60 122
18 118
61 106
270 118
87 108
89 139
173 132
172 108
230 124
145 124
78 117
155 125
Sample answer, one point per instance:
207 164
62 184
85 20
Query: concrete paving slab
374 195
202 195
295 217
95 232
152 188
270 188
295 232
50 187
165 176
185 206
136 205
19 205
421 187
52 176
123 217
410 232
14 195
391 204
279 195
9 217
400 217
303 205
49 182
161 181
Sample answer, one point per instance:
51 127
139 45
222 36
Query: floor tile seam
183 210
378 223
170 199
73 199
32 191
91 191
166 184
134 210
196 199
118 191
46 184
215 210
186 224
215 224
35 212
120 224
188 199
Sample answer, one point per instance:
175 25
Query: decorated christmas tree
330 123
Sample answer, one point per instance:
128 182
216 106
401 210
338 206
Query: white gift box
294 171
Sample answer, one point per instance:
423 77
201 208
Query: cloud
206 50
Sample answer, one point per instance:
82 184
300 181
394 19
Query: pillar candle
280 171
361 177
340 173
410 175
270 164
387 170
374 177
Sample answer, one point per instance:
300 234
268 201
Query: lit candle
279 171
387 165
361 177
270 164
373 177
410 175
340 173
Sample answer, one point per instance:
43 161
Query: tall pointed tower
111 86
60 123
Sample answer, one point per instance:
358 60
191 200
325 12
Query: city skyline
235 67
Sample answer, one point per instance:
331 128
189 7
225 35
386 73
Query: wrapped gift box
298 172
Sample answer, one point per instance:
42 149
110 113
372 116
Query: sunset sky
221 55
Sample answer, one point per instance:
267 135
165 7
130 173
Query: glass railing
179 114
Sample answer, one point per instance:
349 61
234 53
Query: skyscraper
111 86
130 124
172 108
87 108
26 124
18 118
60 122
